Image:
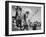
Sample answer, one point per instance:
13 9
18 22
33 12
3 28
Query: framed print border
7 17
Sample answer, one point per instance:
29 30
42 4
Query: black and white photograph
25 18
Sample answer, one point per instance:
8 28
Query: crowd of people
19 21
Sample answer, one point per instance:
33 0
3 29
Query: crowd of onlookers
19 23
32 26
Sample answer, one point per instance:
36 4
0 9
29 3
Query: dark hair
27 12
18 8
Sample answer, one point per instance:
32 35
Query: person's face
19 13
27 12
